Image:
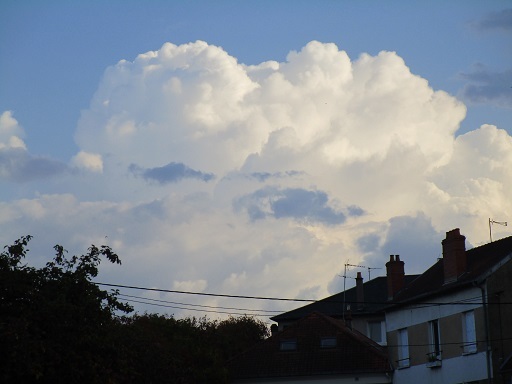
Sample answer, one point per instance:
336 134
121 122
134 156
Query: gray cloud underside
295 203
486 86
17 165
412 237
264 176
170 173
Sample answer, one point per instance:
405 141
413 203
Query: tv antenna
344 283
369 269
504 223
347 265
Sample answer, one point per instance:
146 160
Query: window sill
469 353
434 364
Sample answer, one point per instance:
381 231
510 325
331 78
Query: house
314 349
365 302
453 323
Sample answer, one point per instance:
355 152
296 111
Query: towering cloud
265 179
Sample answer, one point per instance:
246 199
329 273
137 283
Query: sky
253 148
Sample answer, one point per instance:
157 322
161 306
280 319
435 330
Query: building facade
314 349
452 324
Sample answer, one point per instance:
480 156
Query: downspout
483 287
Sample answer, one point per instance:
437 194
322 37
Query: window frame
328 342
469 345
382 329
288 345
434 336
404 358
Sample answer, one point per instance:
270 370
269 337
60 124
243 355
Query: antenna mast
345 283
347 264
369 269
504 223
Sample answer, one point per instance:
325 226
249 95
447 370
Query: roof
354 352
375 297
480 262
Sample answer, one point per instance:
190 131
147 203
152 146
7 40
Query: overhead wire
235 311
199 305
204 293
462 343
467 301
196 309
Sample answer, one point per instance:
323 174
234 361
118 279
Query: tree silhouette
54 322
57 326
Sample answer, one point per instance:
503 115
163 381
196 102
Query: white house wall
461 369
423 312
347 379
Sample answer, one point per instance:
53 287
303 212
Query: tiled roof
353 354
375 297
480 261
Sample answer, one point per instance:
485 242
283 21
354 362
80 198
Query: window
377 331
435 341
328 342
403 348
469 332
288 345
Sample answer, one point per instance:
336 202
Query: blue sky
235 161
54 53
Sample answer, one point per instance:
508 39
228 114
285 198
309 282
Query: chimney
454 255
395 273
359 291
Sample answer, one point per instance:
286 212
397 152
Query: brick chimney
359 291
395 273
454 255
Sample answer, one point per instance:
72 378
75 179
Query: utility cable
203 293
121 295
196 309
351 302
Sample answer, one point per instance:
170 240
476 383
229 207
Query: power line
204 293
196 309
385 303
196 305
461 343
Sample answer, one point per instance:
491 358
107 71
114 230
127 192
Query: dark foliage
57 326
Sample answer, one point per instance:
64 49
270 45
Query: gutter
483 287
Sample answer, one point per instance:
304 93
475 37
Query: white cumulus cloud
88 161
266 178
10 132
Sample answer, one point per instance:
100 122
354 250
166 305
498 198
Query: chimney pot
395 273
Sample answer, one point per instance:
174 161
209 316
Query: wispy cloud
488 87
501 20
17 165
